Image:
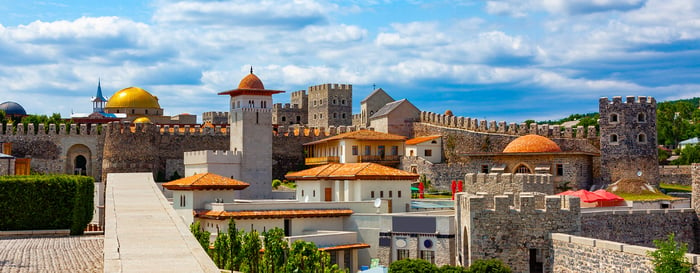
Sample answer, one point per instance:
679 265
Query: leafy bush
453 269
412 266
276 183
46 202
488 266
670 256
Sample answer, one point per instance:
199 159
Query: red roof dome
251 82
532 144
449 113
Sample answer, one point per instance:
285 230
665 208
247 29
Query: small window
320 116
394 150
302 192
390 194
613 139
398 193
484 168
335 102
284 119
403 254
642 138
428 152
238 104
146 111
298 119
641 117
354 149
314 193
335 115
522 169
315 116
433 142
614 118
343 115
314 102
381 194
368 150
372 194
428 255
342 102
560 169
133 111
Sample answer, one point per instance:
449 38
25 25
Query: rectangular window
390 194
484 168
381 194
560 169
428 255
354 150
399 194
394 150
372 194
428 152
368 150
403 254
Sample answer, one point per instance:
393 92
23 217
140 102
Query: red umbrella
460 185
569 192
608 196
587 196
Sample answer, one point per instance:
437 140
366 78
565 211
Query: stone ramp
142 231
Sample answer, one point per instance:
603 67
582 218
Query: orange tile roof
352 171
417 140
344 247
532 144
206 181
361 135
274 214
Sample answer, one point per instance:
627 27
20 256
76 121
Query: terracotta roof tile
532 144
205 181
267 214
361 135
417 140
352 171
344 247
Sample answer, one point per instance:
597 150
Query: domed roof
532 144
142 120
132 97
448 113
251 81
12 108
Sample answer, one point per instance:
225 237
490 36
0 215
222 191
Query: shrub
412 266
276 183
670 256
488 266
453 269
46 202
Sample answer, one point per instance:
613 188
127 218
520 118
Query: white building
427 147
356 147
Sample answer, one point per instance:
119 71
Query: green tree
233 257
670 256
663 155
488 266
276 183
220 253
251 252
276 250
453 269
689 154
412 266
201 235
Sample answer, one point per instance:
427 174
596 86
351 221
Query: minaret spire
251 69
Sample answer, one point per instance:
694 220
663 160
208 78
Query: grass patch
647 196
675 188
437 196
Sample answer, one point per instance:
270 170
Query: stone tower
628 147
251 134
330 105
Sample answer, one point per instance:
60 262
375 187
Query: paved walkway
142 231
51 254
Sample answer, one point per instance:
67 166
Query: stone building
295 112
215 118
395 117
628 144
330 105
370 105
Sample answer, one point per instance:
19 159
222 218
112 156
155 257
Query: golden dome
132 97
251 82
142 120
532 144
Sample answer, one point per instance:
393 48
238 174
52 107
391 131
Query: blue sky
506 60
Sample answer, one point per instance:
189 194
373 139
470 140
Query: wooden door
328 194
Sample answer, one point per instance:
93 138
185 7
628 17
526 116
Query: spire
99 89
251 69
98 102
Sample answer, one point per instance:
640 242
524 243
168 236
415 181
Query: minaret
251 134
98 101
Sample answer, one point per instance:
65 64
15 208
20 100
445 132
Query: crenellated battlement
501 127
497 183
628 100
330 86
41 129
298 94
521 203
280 106
212 156
292 131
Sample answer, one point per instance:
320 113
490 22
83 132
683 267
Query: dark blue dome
12 108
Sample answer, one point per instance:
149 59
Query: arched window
343 115
641 117
613 139
335 102
642 138
522 169
614 118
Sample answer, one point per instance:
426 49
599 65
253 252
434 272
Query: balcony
321 160
384 160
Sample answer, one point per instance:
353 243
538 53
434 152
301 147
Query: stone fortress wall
675 174
497 183
330 104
